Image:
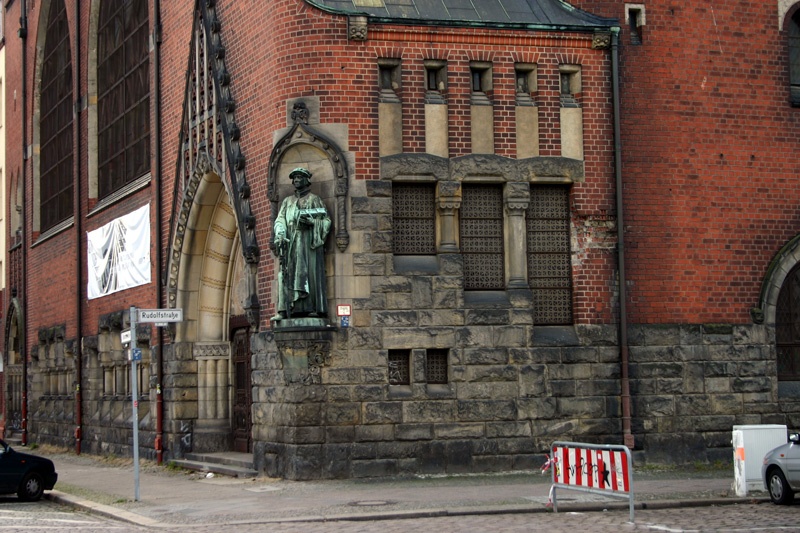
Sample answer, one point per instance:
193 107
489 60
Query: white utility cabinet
750 445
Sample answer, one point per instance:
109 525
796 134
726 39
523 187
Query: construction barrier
596 468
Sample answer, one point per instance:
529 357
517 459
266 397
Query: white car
781 471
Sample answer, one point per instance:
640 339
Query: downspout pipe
625 386
78 237
159 443
23 35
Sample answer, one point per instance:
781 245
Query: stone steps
232 464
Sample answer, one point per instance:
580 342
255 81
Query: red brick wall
312 57
710 170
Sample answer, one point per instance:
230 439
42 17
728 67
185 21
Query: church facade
541 228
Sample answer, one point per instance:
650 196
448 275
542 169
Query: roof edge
605 24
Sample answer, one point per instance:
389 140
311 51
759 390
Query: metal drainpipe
23 35
627 436
159 444
78 232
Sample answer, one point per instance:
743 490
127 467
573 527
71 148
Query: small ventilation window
399 367
389 79
435 81
570 78
481 81
525 83
436 366
634 16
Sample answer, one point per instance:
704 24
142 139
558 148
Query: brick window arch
56 180
123 94
787 327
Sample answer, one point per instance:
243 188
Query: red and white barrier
601 469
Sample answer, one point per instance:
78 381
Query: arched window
56 203
787 327
123 94
794 58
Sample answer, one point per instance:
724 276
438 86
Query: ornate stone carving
601 40
211 349
357 28
303 360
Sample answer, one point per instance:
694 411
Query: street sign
343 310
136 354
125 336
160 315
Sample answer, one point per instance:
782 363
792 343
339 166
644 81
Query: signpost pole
135 397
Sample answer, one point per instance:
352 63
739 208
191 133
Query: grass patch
89 494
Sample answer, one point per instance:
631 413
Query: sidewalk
170 498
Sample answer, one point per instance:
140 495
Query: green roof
533 14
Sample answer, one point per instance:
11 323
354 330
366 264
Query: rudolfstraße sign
160 315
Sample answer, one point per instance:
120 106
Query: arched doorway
212 288
787 328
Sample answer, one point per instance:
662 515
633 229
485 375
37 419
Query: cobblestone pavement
52 518
733 518
46 516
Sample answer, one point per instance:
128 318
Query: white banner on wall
119 254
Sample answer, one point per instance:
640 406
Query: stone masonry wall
513 390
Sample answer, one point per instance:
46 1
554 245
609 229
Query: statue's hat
302 171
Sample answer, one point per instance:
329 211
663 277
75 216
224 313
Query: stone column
448 196
517 198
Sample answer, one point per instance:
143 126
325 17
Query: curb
137 519
100 509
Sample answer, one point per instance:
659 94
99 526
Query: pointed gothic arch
13 365
213 256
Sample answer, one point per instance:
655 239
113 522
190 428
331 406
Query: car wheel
31 488
779 490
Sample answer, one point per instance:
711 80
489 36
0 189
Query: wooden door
242 394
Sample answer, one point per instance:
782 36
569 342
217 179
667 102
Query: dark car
781 471
27 475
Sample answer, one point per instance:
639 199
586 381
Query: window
549 254
399 367
123 88
436 366
794 59
481 228
55 185
787 328
570 76
435 80
634 16
481 78
525 82
389 79
413 216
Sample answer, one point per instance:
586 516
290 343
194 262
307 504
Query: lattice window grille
414 218
481 229
399 367
56 181
549 254
123 74
436 366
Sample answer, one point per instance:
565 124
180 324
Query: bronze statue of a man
300 231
